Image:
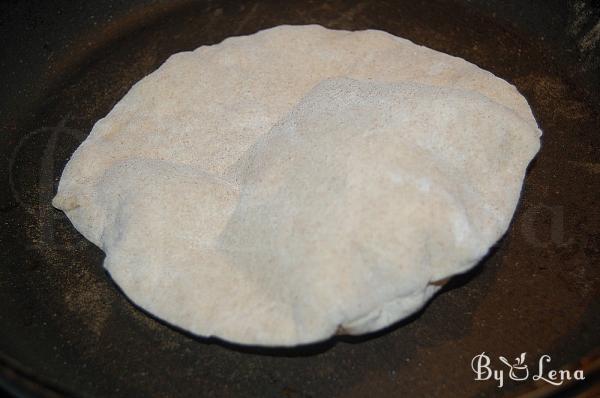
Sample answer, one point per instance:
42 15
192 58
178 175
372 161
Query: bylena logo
519 371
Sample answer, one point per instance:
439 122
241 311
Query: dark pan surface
65 324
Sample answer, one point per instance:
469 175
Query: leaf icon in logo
519 370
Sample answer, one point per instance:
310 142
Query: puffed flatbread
278 188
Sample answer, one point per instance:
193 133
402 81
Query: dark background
65 329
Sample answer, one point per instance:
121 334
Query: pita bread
278 188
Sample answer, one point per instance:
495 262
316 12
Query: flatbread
278 188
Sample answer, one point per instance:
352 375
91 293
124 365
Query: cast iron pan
65 328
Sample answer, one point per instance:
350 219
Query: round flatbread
278 188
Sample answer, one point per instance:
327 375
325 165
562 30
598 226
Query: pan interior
66 323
